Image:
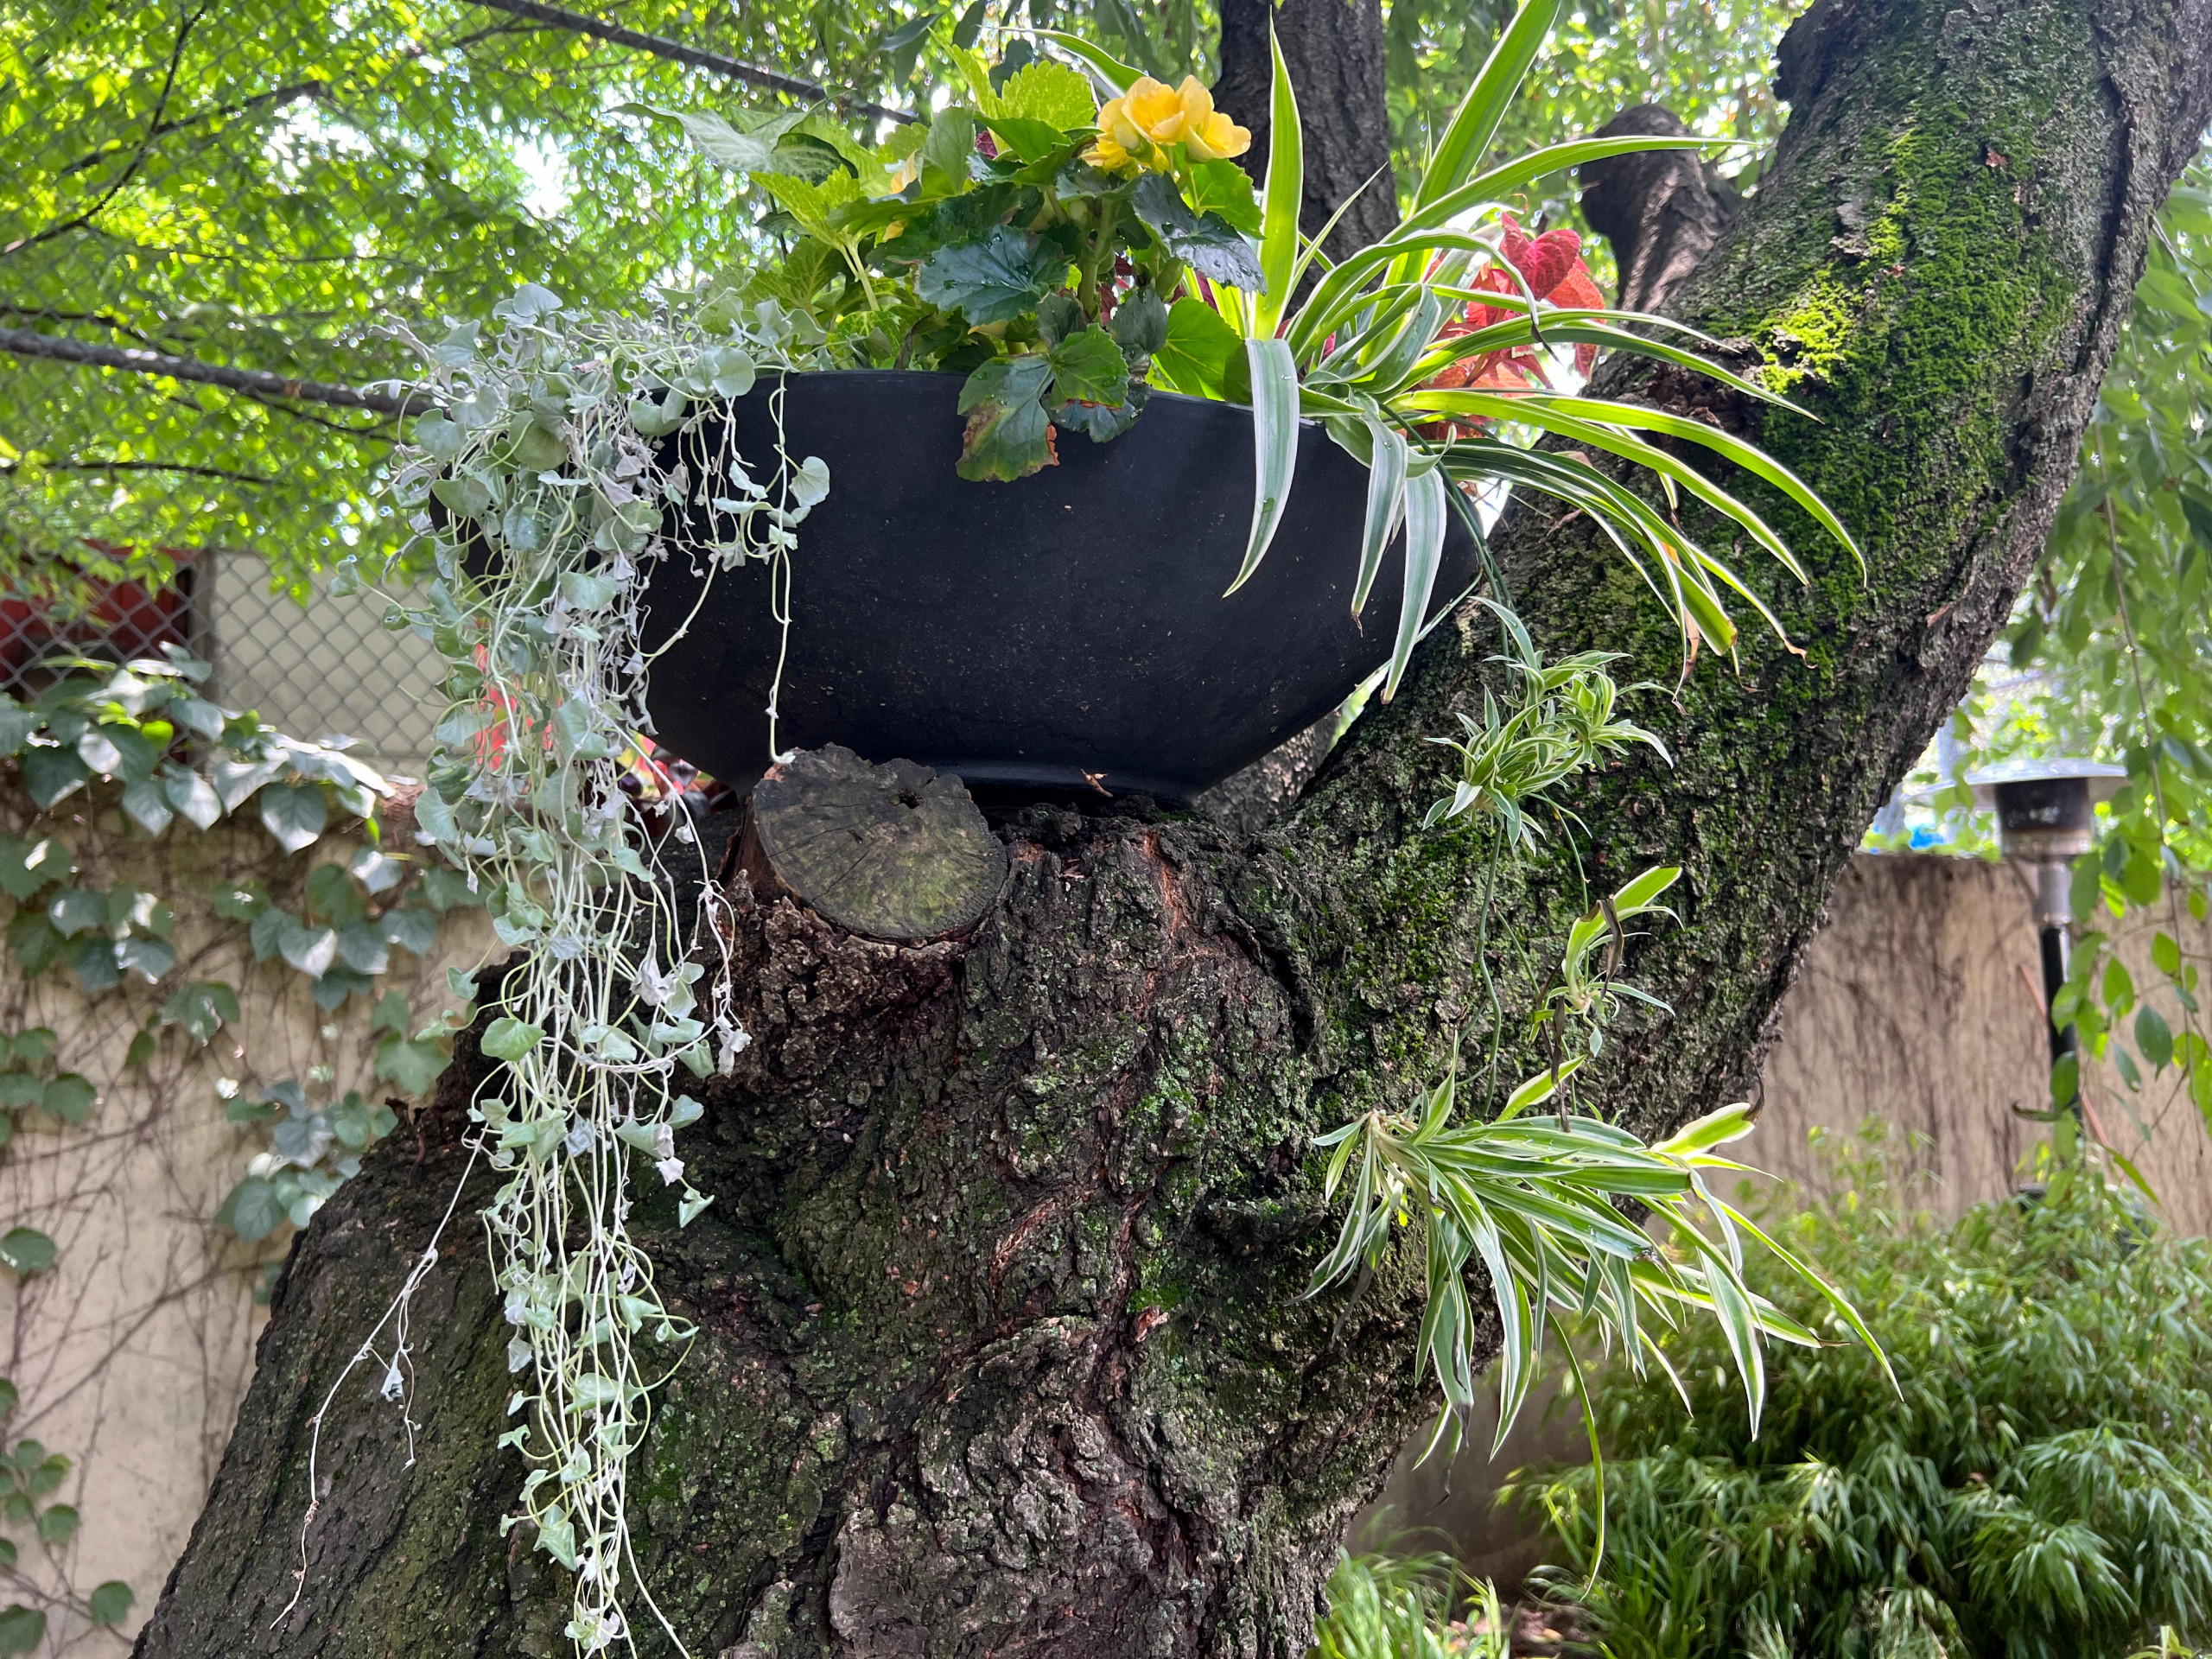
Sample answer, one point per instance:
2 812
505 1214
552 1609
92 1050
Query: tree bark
1333 49
1662 210
1000 1346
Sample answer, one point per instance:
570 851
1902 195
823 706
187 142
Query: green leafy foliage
2037 1484
109 1602
26 1250
1402 1608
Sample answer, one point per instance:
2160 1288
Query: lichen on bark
1001 1348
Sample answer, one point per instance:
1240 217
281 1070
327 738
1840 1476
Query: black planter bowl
1064 633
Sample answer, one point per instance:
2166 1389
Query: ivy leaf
189 794
294 815
333 897
20 1091
235 780
48 775
148 806
36 1046
135 755
1088 368
202 1008
151 959
2154 1037
361 947
509 1039
268 931
409 929
310 950
241 901
17 725
93 961
198 715
27 1250
70 1097
993 279
33 941
27 868
1008 435
111 1602
253 1211
409 1066
141 1049
57 1524
21 1629
1209 243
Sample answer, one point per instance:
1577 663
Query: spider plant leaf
1102 63
1274 444
1500 182
1739 1326
1386 504
1311 246
1597 1454
1827 1293
1566 417
1714 1129
1637 894
1425 519
1474 123
1748 456
1538 1089
1391 368
1285 188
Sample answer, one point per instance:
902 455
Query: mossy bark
1001 1349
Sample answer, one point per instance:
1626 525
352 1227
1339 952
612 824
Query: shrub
2038 1485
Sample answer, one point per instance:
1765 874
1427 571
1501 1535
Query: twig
675 52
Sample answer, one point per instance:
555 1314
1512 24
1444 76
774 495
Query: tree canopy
259 186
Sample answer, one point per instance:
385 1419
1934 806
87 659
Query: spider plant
1360 344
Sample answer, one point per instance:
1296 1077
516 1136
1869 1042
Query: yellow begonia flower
1149 117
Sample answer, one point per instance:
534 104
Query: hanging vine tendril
542 491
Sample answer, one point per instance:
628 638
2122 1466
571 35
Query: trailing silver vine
545 491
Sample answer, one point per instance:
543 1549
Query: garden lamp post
2046 818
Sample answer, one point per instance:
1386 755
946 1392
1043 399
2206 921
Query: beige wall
132 1354
1911 1005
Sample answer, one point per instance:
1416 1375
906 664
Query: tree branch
253 478
675 52
186 23
253 383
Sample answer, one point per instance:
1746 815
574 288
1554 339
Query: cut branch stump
892 852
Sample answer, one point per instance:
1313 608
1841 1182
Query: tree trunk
1001 1350
1333 49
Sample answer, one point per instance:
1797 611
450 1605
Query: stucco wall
1918 1002
133 1353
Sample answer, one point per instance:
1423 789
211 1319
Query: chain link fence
326 669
